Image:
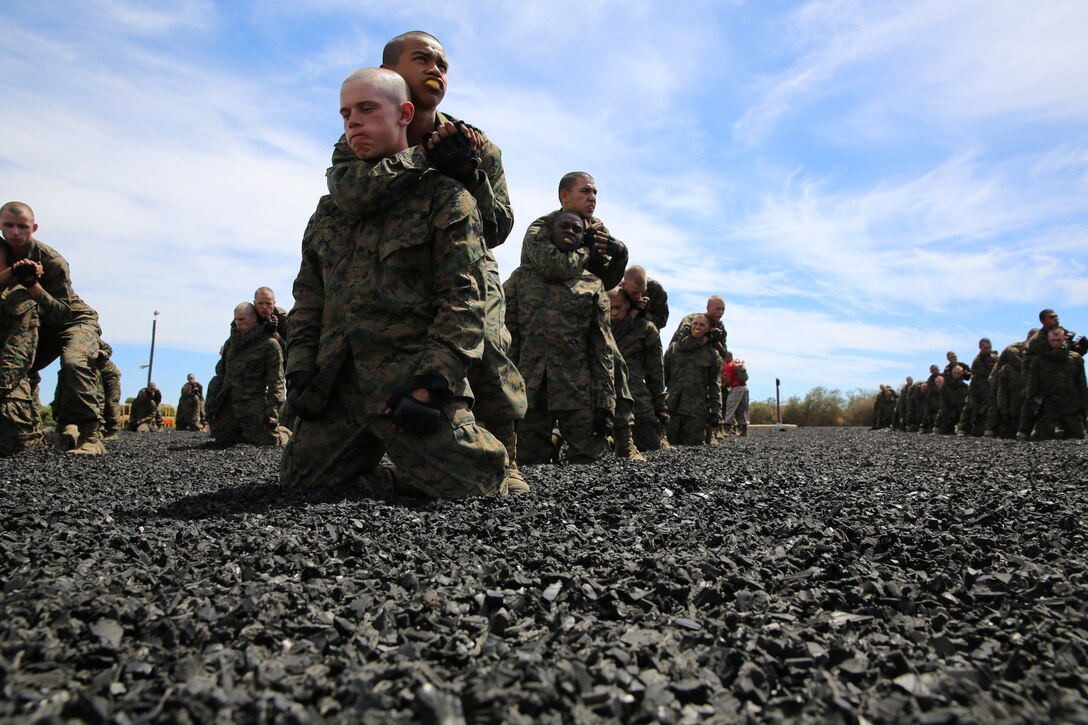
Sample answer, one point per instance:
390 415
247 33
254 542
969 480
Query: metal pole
777 401
151 360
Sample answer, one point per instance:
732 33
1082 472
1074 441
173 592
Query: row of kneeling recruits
403 342
1034 390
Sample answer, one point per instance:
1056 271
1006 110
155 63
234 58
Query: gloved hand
602 422
297 382
663 417
271 325
453 156
414 416
25 273
714 420
714 335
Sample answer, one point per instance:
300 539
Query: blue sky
867 184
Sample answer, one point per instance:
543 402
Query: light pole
151 360
778 403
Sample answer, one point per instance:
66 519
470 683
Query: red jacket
731 376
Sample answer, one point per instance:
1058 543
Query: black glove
714 420
25 274
415 417
453 156
602 422
714 335
271 325
663 417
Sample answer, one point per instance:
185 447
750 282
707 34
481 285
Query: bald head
376 111
395 47
245 317
18 207
715 308
388 82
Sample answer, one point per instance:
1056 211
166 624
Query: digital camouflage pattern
639 342
1057 394
693 382
68 330
561 341
683 333
144 415
391 288
1008 383
979 396
19 325
496 383
247 391
188 411
953 399
109 388
538 237
657 310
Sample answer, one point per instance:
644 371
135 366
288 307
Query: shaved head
395 47
18 207
390 83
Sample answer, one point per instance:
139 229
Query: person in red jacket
735 387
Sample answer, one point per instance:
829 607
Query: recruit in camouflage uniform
693 381
1057 393
624 420
144 415
388 317
497 385
900 421
69 329
954 393
640 344
924 404
885 408
246 393
609 269
19 426
188 411
109 390
1008 385
980 395
557 314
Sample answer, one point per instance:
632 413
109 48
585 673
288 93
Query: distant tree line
820 406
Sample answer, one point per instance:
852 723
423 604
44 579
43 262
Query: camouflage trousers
187 415
576 427
343 447
110 377
77 347
687 430
648 431
497 385
20 429
246 424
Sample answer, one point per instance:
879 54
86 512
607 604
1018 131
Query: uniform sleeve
493 197
455 337
215 385
659 307
601 364
273 370
57 297
653 367
714 387
510 290
309 293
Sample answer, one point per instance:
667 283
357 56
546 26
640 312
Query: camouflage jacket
249 374
953 398
59 306
693 377
492 195
558 321
980 394
538 240
640 343
1008 380
144 410
684 338
19 326
657 311
1056 381
393 274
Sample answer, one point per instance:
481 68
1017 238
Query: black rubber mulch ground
809 575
